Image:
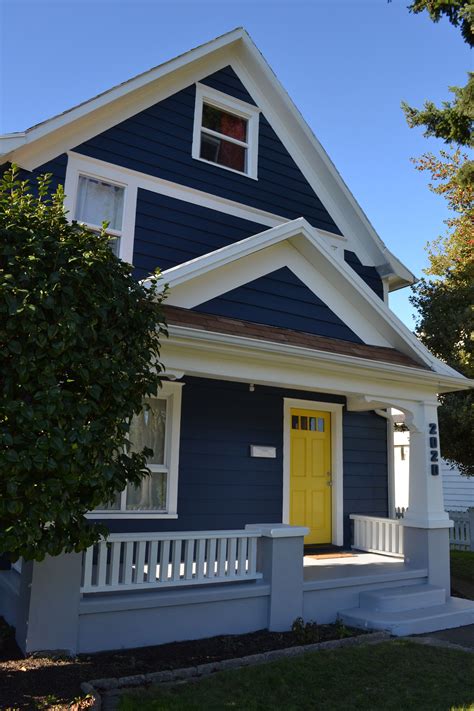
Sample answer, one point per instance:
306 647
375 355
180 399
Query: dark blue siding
158 142
280 299
365 466
369 274
222 487
57 168
169 232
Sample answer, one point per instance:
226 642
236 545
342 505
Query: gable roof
46 140
194 282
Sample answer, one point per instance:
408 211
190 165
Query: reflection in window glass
148 430
217 150
312 424
320 424
304 423
223 122
294 422
149 495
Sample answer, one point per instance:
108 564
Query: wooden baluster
252 558
188 559
221 557
231 560
211 558
102 565
176 560
200 555
164 560
87 569
140 563
152 562
115 562
128 563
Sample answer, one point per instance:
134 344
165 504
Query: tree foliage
445 305
458 12
77 336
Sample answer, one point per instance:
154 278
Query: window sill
225 167
129 515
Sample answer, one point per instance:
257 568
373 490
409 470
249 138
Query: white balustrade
378 535
460 535
157 560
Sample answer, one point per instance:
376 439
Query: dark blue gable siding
169 231
158 142
57 168
280 299
369 274
222 487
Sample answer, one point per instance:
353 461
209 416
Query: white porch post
426 523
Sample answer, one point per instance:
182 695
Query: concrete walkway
463 636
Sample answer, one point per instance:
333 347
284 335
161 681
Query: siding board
222 487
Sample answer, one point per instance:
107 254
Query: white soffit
50 138
298 246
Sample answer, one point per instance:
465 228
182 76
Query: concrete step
455 612
406 597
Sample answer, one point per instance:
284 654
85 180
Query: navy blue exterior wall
169 231
57 168
158 142
369 274
280 299
222 487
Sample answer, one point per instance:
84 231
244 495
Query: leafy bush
79 349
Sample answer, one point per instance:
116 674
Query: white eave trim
223 343
237 49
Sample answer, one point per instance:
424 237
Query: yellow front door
310 473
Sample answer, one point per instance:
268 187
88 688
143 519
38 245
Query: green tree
459 13
79 349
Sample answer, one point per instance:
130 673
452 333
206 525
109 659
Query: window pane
222 152
148 430
304 422
99 202
149 495
114 506
223 122
320 424
312 424
294 422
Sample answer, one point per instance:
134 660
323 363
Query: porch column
48 610
280 559
426 523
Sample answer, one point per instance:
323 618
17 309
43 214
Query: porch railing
157 560
461 535
378 535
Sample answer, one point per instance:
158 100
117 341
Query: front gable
280 299
158 142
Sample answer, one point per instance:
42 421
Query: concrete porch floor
358 568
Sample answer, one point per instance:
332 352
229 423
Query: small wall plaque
257 450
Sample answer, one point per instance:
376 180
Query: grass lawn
462 565
393 675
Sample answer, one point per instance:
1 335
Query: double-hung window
157 427
225 131
99 201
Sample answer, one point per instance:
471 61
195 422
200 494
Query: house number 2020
434 452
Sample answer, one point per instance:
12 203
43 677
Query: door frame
336 410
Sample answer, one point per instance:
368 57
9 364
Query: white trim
344 291
77 166
51 138
205 94
336 411
171 392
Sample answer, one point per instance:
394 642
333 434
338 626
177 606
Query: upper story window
99 202
225 131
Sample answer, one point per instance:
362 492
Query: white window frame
80 166
171 392
212 97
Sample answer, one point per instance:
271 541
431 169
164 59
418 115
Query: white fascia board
52 137
355 290
310 156
61 133
350 373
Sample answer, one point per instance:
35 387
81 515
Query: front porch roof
177 316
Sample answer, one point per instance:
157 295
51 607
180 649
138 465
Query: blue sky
347 64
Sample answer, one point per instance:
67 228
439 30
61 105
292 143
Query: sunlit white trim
207 95
54 136
337 499
77 166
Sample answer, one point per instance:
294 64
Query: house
270 435
458 490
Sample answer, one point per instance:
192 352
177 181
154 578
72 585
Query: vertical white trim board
336 410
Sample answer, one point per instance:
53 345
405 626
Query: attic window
225 132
